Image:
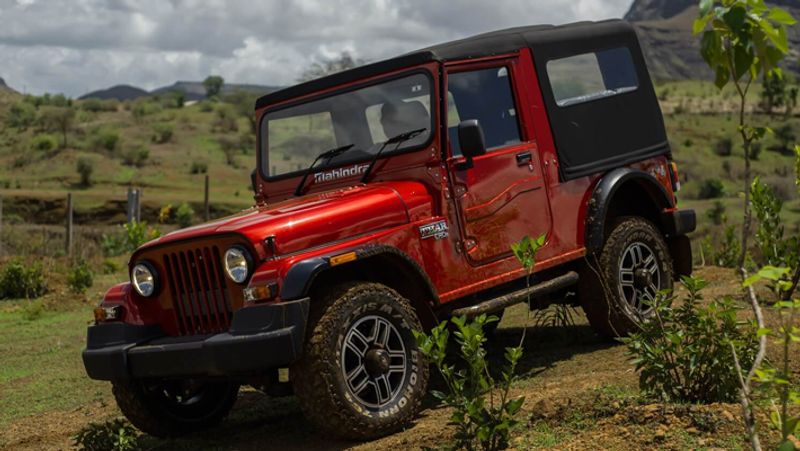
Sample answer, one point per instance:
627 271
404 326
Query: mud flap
680 248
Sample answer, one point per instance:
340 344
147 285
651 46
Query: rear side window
591 76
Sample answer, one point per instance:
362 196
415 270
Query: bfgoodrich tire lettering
330 398
633 265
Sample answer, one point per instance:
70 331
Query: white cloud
72 46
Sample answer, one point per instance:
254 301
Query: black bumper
679 222
260 338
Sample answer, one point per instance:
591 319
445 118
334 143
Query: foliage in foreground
22 280
685 353
483 412
115 435
80 277
135 234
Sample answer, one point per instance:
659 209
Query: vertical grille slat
200 295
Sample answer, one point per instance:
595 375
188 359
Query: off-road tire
318 377
146 409
600 289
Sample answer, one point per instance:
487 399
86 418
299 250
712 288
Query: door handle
524 159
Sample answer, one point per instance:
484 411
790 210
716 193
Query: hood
315 219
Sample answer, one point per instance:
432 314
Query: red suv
386 200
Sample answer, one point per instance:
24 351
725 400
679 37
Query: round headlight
237 264
143 278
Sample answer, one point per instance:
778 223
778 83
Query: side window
484 95
591 76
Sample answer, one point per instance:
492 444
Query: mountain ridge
192 90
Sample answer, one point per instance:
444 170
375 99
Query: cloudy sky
74 46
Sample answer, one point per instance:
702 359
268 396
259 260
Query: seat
402 117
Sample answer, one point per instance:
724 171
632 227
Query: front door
502 197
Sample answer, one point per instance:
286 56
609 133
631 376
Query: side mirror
471 139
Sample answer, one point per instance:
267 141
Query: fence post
68 241
134 211
207 210
138 205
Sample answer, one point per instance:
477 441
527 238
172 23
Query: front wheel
172 408
618 289
361 375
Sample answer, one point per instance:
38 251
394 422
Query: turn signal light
260 293
102 314
675 176
343 258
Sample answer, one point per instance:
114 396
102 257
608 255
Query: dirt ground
580 394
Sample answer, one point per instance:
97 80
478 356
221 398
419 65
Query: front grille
200 294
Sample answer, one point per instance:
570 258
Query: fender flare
603 195
301 275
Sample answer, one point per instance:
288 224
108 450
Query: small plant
44 143
104 140
162 133
728 251
481 423
184 215
717 214
85 168
685 354
136 156
711 189
138 233
80 278
115 435
109 266
199 167
724 147
21 280
164 214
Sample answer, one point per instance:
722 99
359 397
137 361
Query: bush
162 133
199 167
728 252
717 214
21 280
480 423
711 189
184 215
104 140
230 147
724 147
227 119
44 143
80 278
755 150
134 235
110 267
685 354
85 168
786 138
136 156
97 105
21 115
32 310
144 107
115 435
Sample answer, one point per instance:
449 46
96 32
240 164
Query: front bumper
260 338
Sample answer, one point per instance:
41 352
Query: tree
58 118
213 85
21 115
742 40
773 93
244 102
341 63
85 168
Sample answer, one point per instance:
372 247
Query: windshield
364 118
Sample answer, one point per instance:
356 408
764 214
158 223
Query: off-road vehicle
387 198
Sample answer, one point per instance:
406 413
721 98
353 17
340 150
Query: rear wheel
361 375
634 266
171 408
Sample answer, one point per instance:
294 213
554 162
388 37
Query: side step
518 297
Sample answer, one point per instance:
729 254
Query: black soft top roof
482 45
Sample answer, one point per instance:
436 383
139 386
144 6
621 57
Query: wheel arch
625 192
380 264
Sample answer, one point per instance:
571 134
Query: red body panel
487 208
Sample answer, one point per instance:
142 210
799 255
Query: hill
119 92
665 29
194 90
4 86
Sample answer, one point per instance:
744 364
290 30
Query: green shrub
115 435
104 140
724 147
32 310
144 107
685 354
483 411
199 167
728 251
44 143
786 137
80 278
85 168
184 215
21 280
98 105
136 156
711 189
162 133
21 115
227 119
110 267
717 214
134 234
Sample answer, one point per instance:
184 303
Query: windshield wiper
399 140
329 155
